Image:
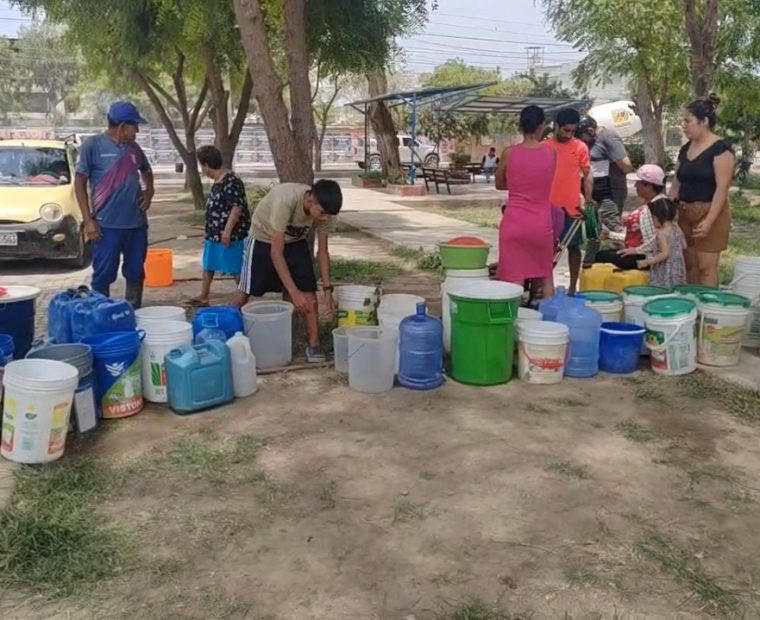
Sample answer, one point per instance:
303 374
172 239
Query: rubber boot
134 294
103 290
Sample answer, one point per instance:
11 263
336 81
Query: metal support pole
412 167
366 137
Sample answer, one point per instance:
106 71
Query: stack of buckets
747 282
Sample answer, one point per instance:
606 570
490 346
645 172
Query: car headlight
51 212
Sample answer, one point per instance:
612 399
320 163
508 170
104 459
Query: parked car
424 154
39 213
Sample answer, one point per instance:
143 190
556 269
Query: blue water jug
199 377
550 307
227 318
207 334
420 351
584 325
59 312
100 315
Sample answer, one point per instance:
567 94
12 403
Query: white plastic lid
10 293
491 290
544 328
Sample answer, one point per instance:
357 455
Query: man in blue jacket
114 211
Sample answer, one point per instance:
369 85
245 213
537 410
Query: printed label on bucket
676 356
124 397
541 363
357 318
58 428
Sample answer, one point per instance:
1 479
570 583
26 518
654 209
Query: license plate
8 239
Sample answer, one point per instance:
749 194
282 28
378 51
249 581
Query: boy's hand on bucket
300 301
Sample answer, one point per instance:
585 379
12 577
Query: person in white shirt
489 164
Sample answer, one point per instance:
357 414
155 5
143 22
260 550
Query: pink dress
526 234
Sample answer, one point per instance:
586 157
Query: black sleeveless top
697 176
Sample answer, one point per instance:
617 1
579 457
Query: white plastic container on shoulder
243 366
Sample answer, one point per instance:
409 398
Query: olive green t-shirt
281 210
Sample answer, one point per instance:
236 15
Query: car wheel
432 160
84 255
375 163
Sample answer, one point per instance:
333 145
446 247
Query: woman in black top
704 172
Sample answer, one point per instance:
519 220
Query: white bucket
672 344
542 351
357 305
340 349
524 315
752 330
720 332
160 338
372 359
160 313
611 311
38 398
633 312
453 276
269 327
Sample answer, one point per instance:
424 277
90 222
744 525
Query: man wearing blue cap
114 213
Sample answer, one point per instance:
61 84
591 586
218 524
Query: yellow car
39 213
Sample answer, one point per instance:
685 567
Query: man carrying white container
277 255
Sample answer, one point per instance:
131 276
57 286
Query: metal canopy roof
484 104
422 96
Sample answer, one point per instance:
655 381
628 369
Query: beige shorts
691 214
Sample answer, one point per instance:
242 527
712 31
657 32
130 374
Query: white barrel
634 298
37 405
722 321
670 335
160 313
372 359
357 305
452 276
542 351
269 327
160 338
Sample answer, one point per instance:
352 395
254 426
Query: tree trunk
701 21
651 126
291 147
383 126
317 146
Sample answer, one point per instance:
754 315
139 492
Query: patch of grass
477 609
328 497
484 213
745 235
184 198
633 431
405 511
686 570
565 468
362 271
581 577
570 402
193 218
534 408
752 181
53 539
647 388
740 402
419 258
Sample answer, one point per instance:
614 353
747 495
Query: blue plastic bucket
118 372
620 347
17 304
7 347
85 411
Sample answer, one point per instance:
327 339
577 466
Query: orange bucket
159 269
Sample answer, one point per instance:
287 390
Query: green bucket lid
727 300
600 297
669 307
694 289
646 291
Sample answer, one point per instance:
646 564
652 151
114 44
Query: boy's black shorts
259 275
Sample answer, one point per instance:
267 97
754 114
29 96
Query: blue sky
482 32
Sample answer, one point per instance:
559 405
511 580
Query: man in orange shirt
572 176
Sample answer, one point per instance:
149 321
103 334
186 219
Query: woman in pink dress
526 235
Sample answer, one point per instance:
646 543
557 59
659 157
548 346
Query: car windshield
30 166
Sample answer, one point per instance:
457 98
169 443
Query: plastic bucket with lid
37 405
722 321
692 291
357 305
606 303
269 327
453 276
85 410
634 298
372 359
17 306
482 331
340 348
620 347
117 365
7 346
670 337
160 338
160 313
542 351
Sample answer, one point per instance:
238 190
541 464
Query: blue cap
125 112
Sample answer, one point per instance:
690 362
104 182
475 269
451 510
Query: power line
480 49
482 29
490 19
489 40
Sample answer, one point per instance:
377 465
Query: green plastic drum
483 315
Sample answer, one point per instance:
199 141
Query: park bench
439 177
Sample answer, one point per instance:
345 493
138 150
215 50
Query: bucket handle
666 342
509 317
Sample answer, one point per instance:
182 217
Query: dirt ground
606 498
